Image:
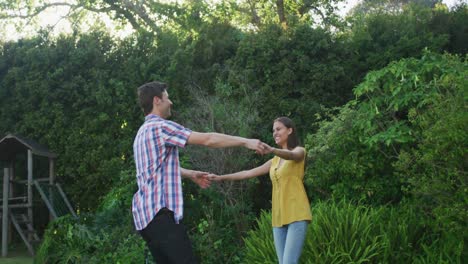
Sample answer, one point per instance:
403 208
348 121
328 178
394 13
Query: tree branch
281 14
37 10
125 13
319 12
255 18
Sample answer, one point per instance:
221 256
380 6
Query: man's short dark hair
147 92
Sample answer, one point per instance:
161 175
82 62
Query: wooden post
30 188
6 175
12 194
51 182
51 171
12 177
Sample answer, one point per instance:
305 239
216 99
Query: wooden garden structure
17 195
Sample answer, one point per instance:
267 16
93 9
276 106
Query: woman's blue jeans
289 241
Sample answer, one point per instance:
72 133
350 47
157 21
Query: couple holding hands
157 205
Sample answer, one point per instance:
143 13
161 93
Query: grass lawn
16 260
17 254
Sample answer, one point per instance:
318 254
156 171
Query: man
158 204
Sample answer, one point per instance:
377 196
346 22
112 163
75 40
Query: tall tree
147 15
322 12
151 15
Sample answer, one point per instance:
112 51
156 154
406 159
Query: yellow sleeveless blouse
289 198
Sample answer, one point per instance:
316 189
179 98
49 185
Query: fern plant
259 244
343 233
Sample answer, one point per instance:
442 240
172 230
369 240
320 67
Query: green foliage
354 154
389 6
105 237
290 73
200 60
342 166
220 226
377 38
67 240
446 249
71 241
77 92
259 245
218 218
341 232
72 102
425 123
402 137
436 170
452 24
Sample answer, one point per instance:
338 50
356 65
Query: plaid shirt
158 175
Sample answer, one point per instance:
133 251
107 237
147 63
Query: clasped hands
204 179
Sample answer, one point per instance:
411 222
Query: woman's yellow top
289 198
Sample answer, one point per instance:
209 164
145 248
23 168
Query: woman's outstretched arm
296 153
242 175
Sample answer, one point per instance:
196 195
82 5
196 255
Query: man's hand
255 144
201 179
259 147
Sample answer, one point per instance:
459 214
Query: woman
290 206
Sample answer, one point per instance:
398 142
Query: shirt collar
152 116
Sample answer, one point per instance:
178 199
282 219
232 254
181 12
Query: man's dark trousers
167 241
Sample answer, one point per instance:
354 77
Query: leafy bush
360 152
71 241
107 236
436 170
217 234
67 240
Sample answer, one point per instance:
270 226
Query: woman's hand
266 149
214 177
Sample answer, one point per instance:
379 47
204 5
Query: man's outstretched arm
217 140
